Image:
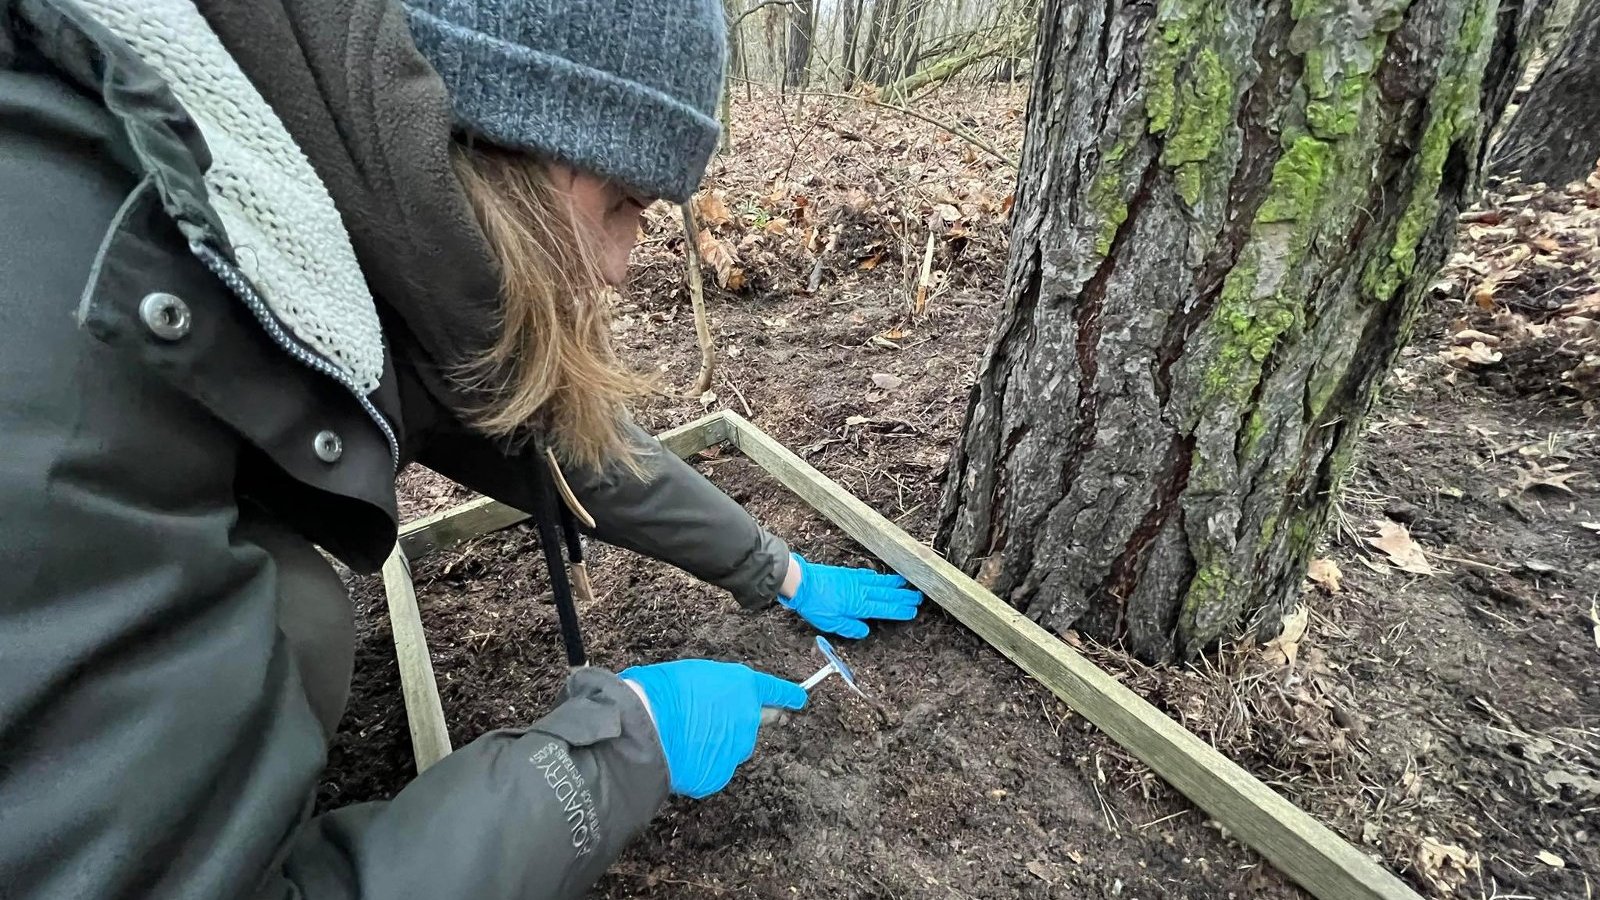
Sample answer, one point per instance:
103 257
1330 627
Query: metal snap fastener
329 447
165 315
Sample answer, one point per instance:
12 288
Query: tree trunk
802 23
880 40
850 29
1554 136
1225 221
731 10
774 26
908 45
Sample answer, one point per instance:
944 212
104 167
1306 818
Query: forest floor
1434 701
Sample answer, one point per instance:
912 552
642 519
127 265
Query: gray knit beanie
626 89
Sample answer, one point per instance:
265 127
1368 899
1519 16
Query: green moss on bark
1109 208
1299 180
1206 111
1107 196
1338 114
1175 36
1192 86
1452 115
1209 600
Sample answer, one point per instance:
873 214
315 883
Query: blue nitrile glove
707 715
838 600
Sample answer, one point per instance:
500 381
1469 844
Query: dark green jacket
174 653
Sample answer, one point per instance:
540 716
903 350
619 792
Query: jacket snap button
329 447
165 315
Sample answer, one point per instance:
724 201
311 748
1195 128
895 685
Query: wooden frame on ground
1298 845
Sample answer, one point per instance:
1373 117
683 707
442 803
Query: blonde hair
552 367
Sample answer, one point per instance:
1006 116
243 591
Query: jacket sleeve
673 514
535 814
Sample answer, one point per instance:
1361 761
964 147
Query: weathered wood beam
430 739
1298 845
483 515
457 524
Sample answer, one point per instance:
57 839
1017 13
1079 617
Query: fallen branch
735 23
921 302
956 130
697 298
949 66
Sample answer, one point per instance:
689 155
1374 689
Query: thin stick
921 302
740 394
697 298
1466 562
758 7
565 490
956 130
1163 819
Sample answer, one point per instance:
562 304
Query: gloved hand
707 715
837 600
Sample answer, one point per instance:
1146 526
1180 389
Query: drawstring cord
555 522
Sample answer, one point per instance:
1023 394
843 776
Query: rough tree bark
802 24
1554 136
1225 221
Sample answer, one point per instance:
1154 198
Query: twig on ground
740 394
1477 564
921 302
697 298
1166 818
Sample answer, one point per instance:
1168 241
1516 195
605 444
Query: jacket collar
364 106
287 238
345 81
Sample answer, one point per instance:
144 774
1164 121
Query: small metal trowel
770 714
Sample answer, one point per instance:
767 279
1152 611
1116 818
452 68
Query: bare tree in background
850 27
1554 136
904 56
802 25
884 14
1226 220
882 41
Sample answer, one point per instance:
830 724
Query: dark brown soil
1449 723
962 778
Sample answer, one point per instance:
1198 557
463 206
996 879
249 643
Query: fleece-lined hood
374 121
287 235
